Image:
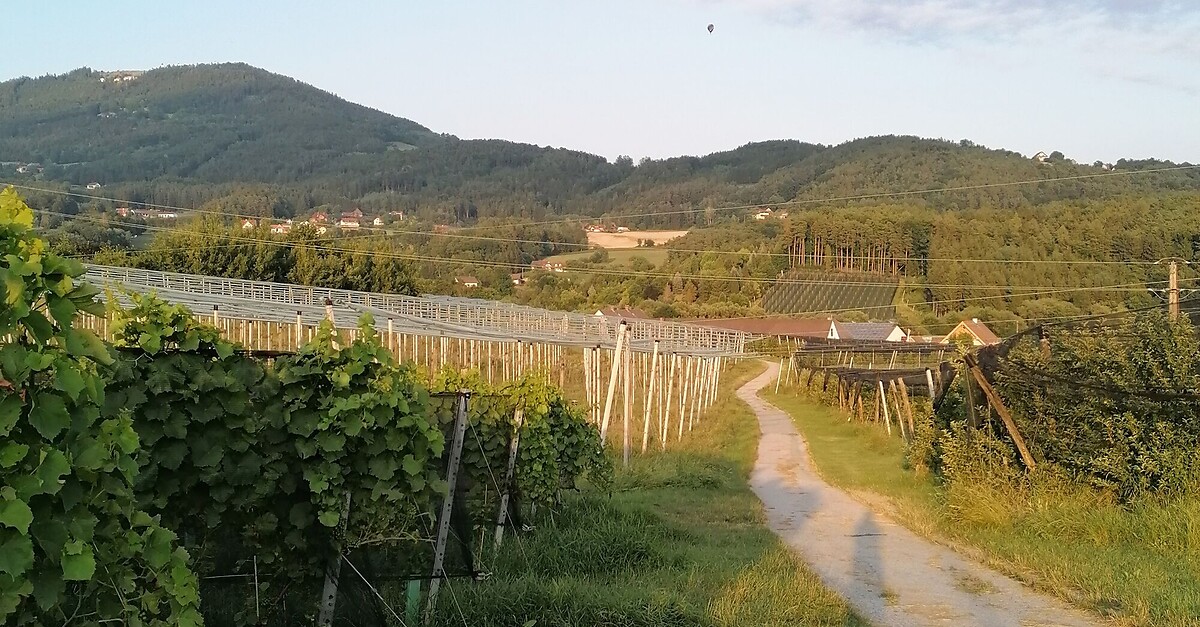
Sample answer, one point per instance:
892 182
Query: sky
1095 79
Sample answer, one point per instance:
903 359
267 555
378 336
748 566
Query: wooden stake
684 384
883 404
587 384
899 408
1000 408
666 428
612 379
627 397
650 396
908 409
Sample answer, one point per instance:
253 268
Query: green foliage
1114 406
240 456
74 543
211 247
558 447
361 429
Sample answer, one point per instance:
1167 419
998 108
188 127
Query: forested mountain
190 134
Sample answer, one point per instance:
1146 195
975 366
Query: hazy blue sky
1096 79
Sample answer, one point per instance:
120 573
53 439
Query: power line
1120 287
728 208
595 271
903 193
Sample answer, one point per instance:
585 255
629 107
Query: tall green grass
681 540
1138 564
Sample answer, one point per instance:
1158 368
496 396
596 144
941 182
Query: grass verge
1136 564
680 541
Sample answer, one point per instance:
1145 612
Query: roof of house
976 328
624 312
787 327
867 331
466 279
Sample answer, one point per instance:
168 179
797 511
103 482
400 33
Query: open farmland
826 292
630 239
616 257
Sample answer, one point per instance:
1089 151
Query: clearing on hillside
616 256
808 292
629 239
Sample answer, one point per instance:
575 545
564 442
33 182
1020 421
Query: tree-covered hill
214 122
188 135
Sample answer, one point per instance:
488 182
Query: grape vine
74 546
127 469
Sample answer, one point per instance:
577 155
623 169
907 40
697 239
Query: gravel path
891 576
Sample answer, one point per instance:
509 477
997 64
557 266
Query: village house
94 186
319 217
281 228
151 214
247 224
973 330
763 214
517 278
788 328
548 266
377 221
348 222
466 281
625 312
872 332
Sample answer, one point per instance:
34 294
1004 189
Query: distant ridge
163 132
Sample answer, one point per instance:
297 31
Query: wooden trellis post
1000 408
666 429
650 396
883 405
618 353
684 384
908 409
899 408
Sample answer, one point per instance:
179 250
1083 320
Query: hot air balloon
710 28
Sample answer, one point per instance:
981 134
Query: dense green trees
187 135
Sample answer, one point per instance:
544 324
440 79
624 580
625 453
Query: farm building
976 331
818 328
623 312
873 332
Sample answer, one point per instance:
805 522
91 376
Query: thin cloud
1150 42
934 20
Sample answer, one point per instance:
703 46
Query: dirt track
891 576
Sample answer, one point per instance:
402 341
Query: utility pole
1173 290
